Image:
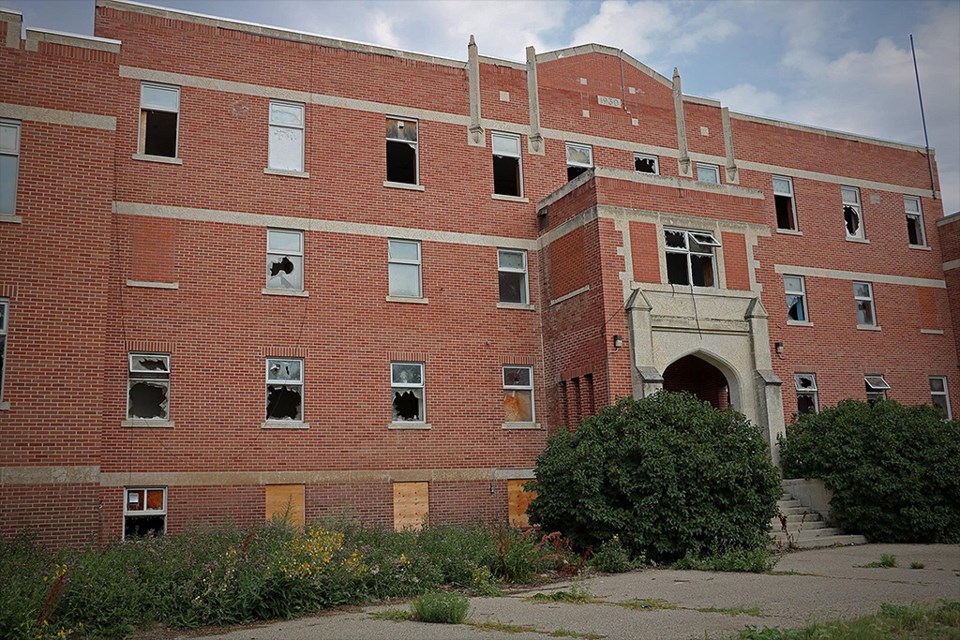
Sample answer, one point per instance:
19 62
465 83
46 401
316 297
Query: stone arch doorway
701 378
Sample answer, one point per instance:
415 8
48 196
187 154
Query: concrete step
810 516
805 534
795 526
798 510
821 541
788 504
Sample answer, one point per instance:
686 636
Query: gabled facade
249 271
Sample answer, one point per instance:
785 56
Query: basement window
403 164
784 203
285 259
285 389
507 164
159 115
9 165
286 136
579 159
709 173
646 163
939 396
915 233
144 512
806 384
690 259
877 388
518 394
407 389
148 386
512 271
852 212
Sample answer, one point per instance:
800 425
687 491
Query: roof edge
593 47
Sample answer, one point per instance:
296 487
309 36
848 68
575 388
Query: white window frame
142 142
851 199
138 374
12 151
415 144
918 216
868 298
647 156
581 147
518 156
418 262
286 126
525 294
4 323
788 193
422 386
876 385
808 390
801 293
269 382
275 254
520 387
704 239
703 167
945 394
145 511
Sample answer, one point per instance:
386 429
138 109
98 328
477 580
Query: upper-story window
646 163
286 136
785 204
579 159
708 173
512 272
796 291
518 394
403 151
852 212
690 258
284 389
148 386
863 295
404 268
9 165
915 231
285 259
507 165
159 117
407 388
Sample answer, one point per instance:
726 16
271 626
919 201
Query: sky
838 64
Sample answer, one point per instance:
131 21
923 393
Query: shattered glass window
145 512
645 164
148 386
285 259
784 203
915 231
9 165
518 394
795 289
407 390
286 136
852 212
284 389
579 159
402 151
863 295
806 385
507 170
512 268
404 268
690 258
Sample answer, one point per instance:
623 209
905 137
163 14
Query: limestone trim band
57 116
836 274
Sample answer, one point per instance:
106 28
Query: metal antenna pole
923 118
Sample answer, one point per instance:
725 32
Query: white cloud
637 28
747 98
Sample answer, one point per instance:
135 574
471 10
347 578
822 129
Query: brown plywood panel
518 500
411 504
285 500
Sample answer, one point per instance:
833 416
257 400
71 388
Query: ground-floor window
144 511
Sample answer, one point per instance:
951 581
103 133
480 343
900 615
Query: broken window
518 394
645 163
286 136
159 111
863 295
795 288
4 314
915 231
148 386
806 384
579 159
784 203
708 173
9 165
144 512
939 396
512 269
404 268
507 169
285 259
284 389
407 389
877 388
402 151
690 257
852 212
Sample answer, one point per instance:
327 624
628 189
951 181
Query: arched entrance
699 377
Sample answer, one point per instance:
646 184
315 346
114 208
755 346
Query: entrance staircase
800 527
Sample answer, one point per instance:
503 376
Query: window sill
516 305
160 159
928 332
521 425
6 217
919 247
404 300
799 323
790 232
4 406
284 172
860 240
868 327
498 196
403 185
401 426
148 423
153 285
284 424
284 292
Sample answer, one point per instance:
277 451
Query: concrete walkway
805 587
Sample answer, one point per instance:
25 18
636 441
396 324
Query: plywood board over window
411 505
518 500
285 501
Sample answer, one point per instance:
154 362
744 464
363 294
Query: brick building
248 270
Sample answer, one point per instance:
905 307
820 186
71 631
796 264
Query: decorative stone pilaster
732 172
535 140
768 385
686 169
647 380
475 136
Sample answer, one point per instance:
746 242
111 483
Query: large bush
894 470
669 475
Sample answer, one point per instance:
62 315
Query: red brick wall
643 249
735 261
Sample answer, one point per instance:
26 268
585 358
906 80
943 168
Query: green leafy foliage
758 560
668 474
894 470
444 607
613 557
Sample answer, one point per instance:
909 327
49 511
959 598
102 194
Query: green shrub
758 560
613 557
668 474
440 606
894 470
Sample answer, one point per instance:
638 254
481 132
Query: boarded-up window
518 500
284 502
411 505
